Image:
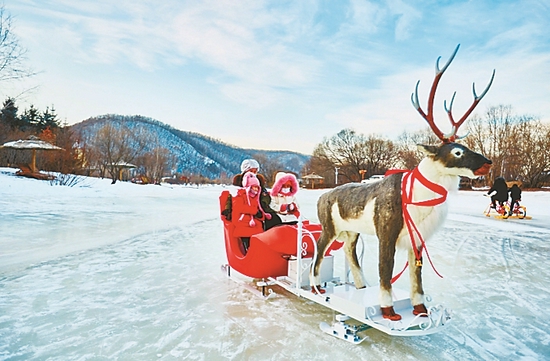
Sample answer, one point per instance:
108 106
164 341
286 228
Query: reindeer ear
427 149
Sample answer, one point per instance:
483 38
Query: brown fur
352 199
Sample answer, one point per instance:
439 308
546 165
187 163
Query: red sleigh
269 251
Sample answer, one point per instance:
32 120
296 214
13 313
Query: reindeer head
455 158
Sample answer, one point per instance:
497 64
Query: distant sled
503 211
282 257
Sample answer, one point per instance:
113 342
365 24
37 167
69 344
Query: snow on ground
132 272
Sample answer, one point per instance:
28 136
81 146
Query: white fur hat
280 179
248 164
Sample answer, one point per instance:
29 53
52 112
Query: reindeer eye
457 152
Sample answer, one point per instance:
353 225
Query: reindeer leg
350 246
323 244
417 292
386 260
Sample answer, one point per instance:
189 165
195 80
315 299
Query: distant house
313 178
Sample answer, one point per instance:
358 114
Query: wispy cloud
250 45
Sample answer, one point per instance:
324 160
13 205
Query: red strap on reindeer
407 185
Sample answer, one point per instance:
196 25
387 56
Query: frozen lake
129 272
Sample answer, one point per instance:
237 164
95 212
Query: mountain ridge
195 153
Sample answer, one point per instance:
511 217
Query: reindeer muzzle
483 170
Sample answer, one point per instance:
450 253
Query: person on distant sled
498 192
283 197
515 197
247 214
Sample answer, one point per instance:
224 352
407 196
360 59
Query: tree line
115 146
108 145
46 126
518 145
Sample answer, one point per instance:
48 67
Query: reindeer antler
451 137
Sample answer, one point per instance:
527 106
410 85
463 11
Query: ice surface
132 272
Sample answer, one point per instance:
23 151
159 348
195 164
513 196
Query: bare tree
510 141
350 153
342 151
115 146
490 136
268 167
380 155
528 157
156 163
409 155
12 55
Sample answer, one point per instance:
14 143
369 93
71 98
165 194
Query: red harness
407 184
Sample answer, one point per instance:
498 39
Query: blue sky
280 74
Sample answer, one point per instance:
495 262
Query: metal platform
362 305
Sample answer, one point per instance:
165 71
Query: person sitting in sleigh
247 214
251 165
283 197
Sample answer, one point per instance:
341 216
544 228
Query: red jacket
244 208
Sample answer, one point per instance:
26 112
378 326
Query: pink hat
249 180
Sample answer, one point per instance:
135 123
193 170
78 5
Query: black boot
246 243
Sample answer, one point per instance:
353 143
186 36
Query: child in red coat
247 213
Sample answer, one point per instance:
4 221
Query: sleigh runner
282 257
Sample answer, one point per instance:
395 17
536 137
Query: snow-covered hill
194 153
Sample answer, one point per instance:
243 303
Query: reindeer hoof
317 289
420 310
389 313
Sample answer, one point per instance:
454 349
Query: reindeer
404 209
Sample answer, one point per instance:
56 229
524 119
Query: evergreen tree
48 119
31 116
8 114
